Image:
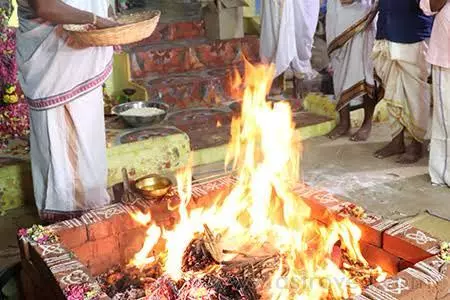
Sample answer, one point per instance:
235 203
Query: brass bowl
153 186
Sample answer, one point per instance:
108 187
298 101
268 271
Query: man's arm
58 12
437 5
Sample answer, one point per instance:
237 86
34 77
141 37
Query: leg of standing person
439 166
350 36
404 73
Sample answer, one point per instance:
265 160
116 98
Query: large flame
262 208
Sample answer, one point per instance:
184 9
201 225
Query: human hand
105 23
70 41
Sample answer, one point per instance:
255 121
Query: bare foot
396 146
340 130
362 134
344 124
366 128
413 153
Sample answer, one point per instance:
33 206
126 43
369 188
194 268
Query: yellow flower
10 99
10 89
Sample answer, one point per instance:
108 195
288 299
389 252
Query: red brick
99 230
437 268
403 264
410 243
372 228
131 242
85 252
406 285
322 203
378 257
106 247
326 207
207 193
73 237
124 222
106 260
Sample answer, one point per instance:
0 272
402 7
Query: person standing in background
399 58
350 36
439 56
287 36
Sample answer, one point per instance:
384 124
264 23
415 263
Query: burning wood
362 274
202 252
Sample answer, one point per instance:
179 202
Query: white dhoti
287 34
350 36
404 74
440 137
63 87
68 156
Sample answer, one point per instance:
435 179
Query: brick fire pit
100 239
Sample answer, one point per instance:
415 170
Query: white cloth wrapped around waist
52 73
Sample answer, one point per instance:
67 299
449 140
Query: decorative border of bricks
408 254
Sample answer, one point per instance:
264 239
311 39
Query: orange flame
141 218
262 208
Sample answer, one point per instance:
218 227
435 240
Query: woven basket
135 28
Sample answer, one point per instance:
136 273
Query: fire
141 218
142 258
262 211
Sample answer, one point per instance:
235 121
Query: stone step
203 88
187 55
171 31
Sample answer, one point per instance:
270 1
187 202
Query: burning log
202 252
196 256
363 274
259 269
216 287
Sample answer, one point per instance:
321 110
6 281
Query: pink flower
22 232
43 239
75 292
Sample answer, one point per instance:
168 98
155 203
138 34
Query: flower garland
14 119
8 65
38 234
445 251
83 291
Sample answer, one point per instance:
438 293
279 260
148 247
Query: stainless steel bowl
138 121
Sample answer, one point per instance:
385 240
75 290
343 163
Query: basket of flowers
133 28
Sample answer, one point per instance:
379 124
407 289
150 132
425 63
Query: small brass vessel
153 186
